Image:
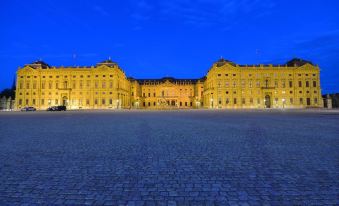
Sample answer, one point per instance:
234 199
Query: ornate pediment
167 83
102 68
27 69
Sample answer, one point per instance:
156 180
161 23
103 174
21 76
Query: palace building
295 84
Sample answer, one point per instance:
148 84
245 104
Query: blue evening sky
179 38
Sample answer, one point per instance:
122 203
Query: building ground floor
266 99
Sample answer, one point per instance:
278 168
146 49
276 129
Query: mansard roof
39 64
43 65
107 62
221 62
296 62
170 79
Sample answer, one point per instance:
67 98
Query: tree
8 93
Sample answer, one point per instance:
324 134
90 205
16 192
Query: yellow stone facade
166 93
103 86
295 84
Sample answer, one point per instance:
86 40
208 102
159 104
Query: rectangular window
20 101
27 86
291 100
110 101
27 101
315 100
300 84
301 100
314 84
307 84
56 101
291 84
235 100
96 102
242 83
87 101
50 85
308 101
243 101
103 101
43 85
42 102
111 85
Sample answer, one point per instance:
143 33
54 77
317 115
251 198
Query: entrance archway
64 101
172 103
267 101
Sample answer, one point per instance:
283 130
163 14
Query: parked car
57 108
28 109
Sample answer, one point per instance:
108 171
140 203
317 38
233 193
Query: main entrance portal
267 101
64 101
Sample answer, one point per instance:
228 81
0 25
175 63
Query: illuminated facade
97 87
295 84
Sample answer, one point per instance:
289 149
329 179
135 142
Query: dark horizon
181 39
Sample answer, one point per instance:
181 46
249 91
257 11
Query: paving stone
270 157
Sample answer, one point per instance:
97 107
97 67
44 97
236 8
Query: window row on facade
66 85
168 103
66 76
51 102
266 75
258 84
259 101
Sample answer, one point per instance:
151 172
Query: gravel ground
195 157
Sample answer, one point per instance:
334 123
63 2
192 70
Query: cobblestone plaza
192 157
